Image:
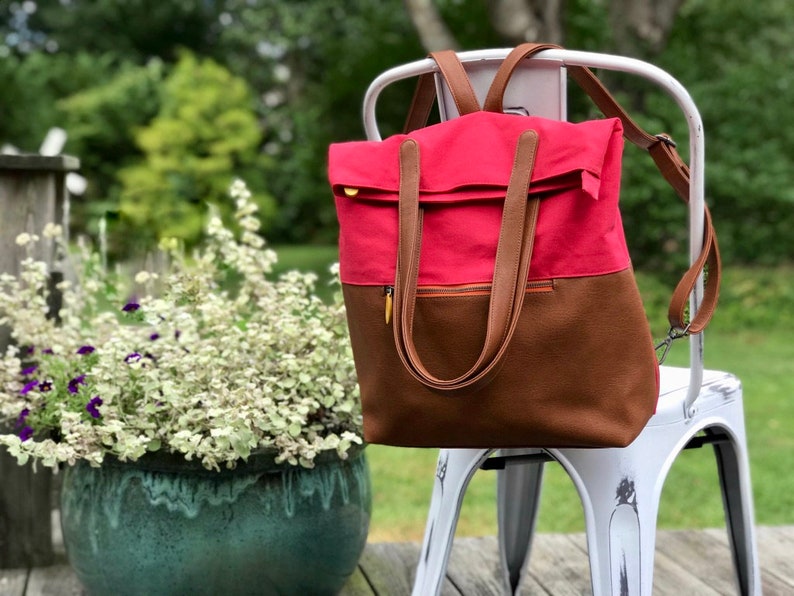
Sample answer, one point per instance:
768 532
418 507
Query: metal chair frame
619 488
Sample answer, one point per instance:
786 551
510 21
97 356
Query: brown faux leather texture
511 269
575 378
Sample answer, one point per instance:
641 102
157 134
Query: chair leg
620 491
518 498
453 473
733 467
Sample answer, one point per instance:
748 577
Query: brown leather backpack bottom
580 370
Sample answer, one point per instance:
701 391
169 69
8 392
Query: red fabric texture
465 166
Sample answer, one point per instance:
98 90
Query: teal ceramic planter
163 526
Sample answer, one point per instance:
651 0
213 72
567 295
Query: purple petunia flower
75 383
29 370
131 306
154 336
22 417
47 351
26 433
134 357
91 406
28 387
86 350
45 386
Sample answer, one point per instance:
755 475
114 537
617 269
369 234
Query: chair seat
717 388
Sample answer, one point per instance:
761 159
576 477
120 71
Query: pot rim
260 460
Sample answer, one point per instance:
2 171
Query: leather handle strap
457 80
496 92
667 160
511 269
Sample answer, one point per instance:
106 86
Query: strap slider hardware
666 139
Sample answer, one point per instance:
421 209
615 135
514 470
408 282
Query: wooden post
32 194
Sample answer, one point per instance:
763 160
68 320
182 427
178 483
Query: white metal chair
620 489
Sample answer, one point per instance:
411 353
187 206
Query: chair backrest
539 89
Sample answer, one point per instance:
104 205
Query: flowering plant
222 361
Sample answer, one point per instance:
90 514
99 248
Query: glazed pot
166 526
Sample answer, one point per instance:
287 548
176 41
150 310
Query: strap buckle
673 334
666 139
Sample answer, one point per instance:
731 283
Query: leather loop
511 269
710 262
457 81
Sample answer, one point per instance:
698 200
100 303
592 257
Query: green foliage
736 60
208 374
205 133
100 121
313 66
134 29
309 63
32 87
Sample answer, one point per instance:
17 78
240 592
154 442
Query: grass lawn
751 336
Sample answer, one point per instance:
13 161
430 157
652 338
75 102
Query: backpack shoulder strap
425 94
674 170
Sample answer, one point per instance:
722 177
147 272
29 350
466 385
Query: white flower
143 277
24 239
205 369
52 230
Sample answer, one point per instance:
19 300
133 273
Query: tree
311 68
309 62
134 29
203 136
638 27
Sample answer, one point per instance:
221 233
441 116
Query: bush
204 134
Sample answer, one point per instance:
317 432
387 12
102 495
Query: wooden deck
687 563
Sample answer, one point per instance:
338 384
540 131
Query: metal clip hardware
666 139
388 291
665 345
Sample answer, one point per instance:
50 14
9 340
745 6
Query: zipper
388 291
544 285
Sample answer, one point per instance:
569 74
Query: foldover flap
465 166
470 158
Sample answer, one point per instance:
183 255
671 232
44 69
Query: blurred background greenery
164 102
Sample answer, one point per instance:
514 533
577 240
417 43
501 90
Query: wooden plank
776 552
32 195
559 566
25 530
357 585
671 579
474 566
12 582
49 163
687 562
57 580
705 554
383 565
390 568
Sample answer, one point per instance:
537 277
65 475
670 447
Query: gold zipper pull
388 291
